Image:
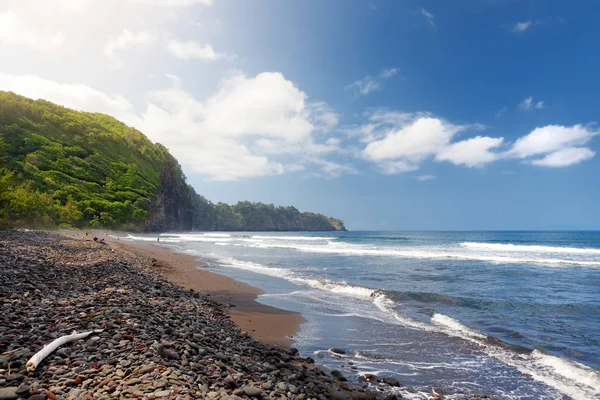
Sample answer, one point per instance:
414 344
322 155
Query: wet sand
264 323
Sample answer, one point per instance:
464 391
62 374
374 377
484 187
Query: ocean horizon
510 313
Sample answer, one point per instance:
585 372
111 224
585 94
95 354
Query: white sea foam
204 237
451 323
386 305
195 235
568 377
254 267
298 238
428 253
527 248
338 287
569 369
150 239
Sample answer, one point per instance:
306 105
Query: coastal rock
391 381
21 390
252 391
9 393
336 350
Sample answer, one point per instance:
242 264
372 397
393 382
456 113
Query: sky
388 114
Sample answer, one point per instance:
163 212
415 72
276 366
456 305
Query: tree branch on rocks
55 344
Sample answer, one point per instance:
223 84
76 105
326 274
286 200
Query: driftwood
55 344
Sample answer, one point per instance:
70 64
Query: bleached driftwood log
55 344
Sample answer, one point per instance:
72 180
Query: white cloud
16 32
428 16
529 104
187 49
521 27
370 84
425 177
474 152
252 126
413 142
502 111
125 40
267 105
400 142
565 157
551 138
172 3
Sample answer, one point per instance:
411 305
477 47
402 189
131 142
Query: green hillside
63 167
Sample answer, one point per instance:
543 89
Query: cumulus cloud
520 27
235 132
565 157
399 142
474 152
187 49
370 84
529 104
413 142
561 146
551 138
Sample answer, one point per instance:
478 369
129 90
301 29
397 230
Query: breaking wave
428 253
527 248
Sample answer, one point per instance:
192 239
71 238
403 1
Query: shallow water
515 314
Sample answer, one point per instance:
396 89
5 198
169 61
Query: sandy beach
264 323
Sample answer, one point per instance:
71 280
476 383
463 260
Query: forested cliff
61 167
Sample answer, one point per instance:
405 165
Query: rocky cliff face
171 208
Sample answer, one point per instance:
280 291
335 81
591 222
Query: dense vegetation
63 167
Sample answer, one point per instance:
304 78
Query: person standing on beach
158 239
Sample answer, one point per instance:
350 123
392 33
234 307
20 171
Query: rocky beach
150 338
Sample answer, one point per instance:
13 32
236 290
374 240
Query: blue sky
387 114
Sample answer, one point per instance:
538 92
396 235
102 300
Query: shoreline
140 336
266 324
146 336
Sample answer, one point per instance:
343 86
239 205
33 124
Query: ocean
511 314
